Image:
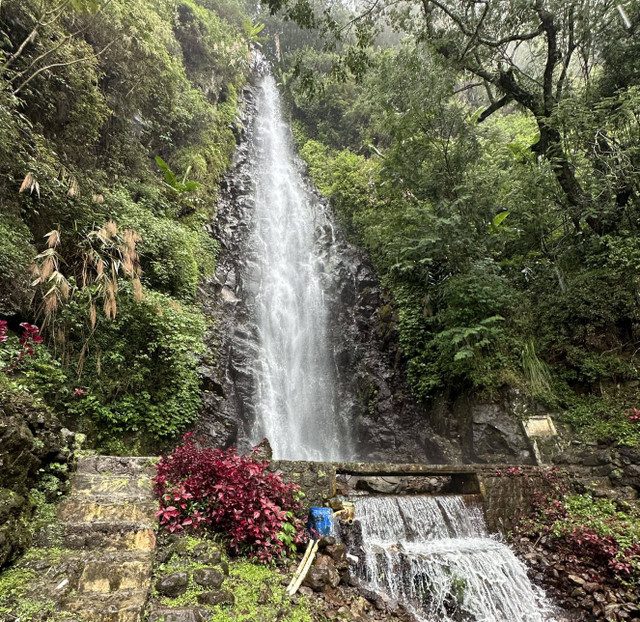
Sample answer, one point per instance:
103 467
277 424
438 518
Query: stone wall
34 448
608 470
507 497
316 479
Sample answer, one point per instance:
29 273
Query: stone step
116 465
78 571
77 509
109 535
105 576
122 606
114 487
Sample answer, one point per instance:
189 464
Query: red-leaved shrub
595 542
232 495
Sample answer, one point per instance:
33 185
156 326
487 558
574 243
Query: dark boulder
217 597
174 584
320 577
208 577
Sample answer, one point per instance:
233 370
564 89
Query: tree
45 16
528 52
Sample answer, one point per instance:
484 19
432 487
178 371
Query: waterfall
294 375
434 555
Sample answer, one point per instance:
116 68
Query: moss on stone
260 596
258 590
15 598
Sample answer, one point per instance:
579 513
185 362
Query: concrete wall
505 496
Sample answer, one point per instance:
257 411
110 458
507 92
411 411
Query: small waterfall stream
295 401
434 554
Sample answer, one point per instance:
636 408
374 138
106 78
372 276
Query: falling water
295 401
434 554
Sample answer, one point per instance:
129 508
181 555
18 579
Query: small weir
434 554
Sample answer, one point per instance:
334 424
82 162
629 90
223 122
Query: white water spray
295 401
434 554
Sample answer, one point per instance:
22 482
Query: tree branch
67 64
494 107
467 87
32 35
488 42
571 46
62 42
547 23
477 32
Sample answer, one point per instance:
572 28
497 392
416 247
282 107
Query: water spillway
295 399
434 555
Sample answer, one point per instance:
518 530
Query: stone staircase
110 518
102 570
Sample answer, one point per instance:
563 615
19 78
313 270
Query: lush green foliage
501 275
114 131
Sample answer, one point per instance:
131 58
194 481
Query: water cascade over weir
434 555
294 374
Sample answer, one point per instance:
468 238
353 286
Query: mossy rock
258 590
34 454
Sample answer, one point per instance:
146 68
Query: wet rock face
372 394
227 372
489 432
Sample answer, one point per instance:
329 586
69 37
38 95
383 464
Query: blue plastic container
321 522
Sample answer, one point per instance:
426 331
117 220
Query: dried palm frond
111 228
50 305
93 315
74 188
127 264
48 267
65 288
53 238
110 305
29 183
138 293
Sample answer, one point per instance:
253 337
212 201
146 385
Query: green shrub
16 255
